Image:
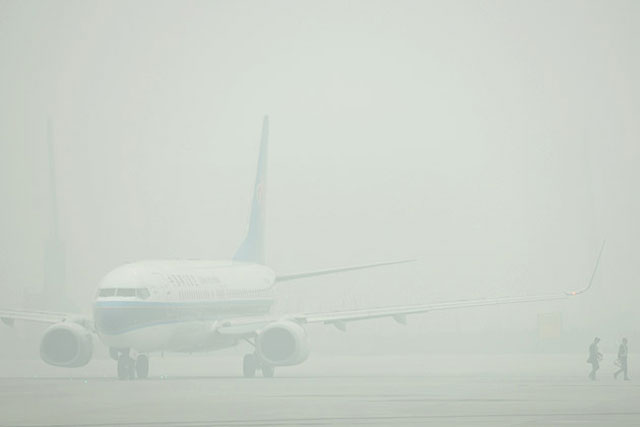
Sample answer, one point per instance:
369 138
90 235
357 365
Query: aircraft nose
116 317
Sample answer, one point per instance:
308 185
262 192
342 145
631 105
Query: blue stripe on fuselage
117 317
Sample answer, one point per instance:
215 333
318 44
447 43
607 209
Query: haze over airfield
497 142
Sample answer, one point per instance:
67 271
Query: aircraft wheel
249 365
124 363
268 371
132 369
142 366
114 353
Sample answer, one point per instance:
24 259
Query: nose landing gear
251 363
142 366
128 367
268 371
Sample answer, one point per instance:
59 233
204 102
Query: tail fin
252 248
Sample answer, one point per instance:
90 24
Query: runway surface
439 390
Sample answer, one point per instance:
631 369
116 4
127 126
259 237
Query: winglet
593 274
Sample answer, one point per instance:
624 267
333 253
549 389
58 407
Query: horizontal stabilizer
304 275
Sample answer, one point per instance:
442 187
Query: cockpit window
106 292
126 292
142 293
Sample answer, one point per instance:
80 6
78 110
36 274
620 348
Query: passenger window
143 293
126 292
106 292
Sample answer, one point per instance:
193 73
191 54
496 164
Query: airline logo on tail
259 192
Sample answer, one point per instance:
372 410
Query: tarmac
442 390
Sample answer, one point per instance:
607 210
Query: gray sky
496 141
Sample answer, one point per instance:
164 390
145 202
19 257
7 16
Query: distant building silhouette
53 295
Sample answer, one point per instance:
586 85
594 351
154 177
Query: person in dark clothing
594 358
623 352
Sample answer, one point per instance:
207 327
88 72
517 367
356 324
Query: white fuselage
154 306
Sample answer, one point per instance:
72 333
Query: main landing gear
142 366
128 367
251 363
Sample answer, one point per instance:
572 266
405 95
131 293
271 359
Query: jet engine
282 343
66 344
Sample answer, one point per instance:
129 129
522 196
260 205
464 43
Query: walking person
623 352
594 358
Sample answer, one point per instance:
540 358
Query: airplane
158 306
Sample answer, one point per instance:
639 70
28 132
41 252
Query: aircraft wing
8 317
399 313
250 326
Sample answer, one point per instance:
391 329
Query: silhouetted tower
54 252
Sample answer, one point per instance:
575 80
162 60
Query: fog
494 141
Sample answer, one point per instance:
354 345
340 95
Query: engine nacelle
282 343
66 344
